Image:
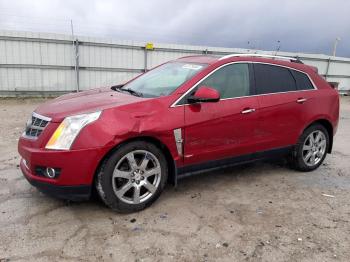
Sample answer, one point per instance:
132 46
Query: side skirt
190 170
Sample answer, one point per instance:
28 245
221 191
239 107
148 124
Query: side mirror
204 94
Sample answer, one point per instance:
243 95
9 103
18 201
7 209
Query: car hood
84 102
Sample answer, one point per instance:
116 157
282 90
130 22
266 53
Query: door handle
301 100
248 110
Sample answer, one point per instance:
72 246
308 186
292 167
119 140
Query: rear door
281 106
226 128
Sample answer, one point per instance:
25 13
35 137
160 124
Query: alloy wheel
314 148
136 176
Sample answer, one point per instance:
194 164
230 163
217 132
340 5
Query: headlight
67 131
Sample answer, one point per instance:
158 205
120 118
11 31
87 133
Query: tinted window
231 81
303 81
273 79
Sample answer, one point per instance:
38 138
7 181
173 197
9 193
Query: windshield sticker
192 66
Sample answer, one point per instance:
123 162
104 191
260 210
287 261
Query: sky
310 26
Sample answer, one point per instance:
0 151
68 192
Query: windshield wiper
117 87
131 91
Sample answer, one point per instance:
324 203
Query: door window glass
231 81
273 79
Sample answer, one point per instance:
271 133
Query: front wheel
133 177
311 148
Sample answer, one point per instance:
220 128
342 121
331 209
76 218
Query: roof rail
291 59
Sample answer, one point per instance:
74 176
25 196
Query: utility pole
76 56
335 45
278 47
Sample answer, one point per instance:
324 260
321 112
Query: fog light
50 172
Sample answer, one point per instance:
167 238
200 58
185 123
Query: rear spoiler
314 68
334 85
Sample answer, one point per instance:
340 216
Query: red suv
188 115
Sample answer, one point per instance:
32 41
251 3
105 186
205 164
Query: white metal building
42 63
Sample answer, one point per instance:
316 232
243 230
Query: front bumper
74 193
77 169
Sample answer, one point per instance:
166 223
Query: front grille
36 125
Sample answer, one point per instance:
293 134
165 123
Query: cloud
299 25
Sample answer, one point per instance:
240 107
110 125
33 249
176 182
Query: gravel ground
257 212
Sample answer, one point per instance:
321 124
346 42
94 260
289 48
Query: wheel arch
328 125
172 177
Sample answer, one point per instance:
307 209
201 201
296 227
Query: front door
223 129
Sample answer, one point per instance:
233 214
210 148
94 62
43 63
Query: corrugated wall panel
321 65
93 79
339 69
92 56
32 79
35 53
45 62
58 80
4 80
158 57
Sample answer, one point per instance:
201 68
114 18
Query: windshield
163 80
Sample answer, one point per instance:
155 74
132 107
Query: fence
50 64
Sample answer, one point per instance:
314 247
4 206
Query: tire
318 147
133 177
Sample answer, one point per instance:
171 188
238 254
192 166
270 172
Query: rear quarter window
302 80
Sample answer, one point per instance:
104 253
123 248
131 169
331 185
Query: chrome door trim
243 62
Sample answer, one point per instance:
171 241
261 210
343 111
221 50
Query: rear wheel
311 148
133 177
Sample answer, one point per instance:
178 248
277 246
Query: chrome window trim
244 62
